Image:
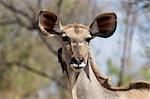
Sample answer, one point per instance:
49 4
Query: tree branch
38 72
14 10
59 5
39 4
7 22
32 21
29 6
125 45
33 70
50 48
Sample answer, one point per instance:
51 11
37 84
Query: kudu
86 82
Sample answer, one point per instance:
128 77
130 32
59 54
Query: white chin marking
74 65
80 65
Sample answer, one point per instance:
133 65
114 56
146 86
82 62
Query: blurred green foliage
111 68
146 73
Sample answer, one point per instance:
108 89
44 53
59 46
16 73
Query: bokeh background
29 68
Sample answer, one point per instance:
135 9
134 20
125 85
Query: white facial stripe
80 44
50 35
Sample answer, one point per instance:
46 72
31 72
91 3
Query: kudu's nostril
74 60
81 60
77 61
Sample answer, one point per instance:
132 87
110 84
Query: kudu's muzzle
77 63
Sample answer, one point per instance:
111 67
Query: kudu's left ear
104 25
48 23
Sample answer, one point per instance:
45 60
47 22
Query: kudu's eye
88 39
66 39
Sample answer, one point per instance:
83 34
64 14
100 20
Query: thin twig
7 22
14 10
38 72
50 48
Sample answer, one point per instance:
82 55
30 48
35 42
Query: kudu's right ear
48 23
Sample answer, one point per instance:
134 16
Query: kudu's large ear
104 25
48 23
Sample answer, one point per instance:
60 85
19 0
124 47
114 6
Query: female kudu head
76 37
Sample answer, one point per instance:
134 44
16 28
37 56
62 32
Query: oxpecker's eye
66 39
62 33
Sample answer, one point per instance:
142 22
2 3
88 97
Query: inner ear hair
104 25
48 23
